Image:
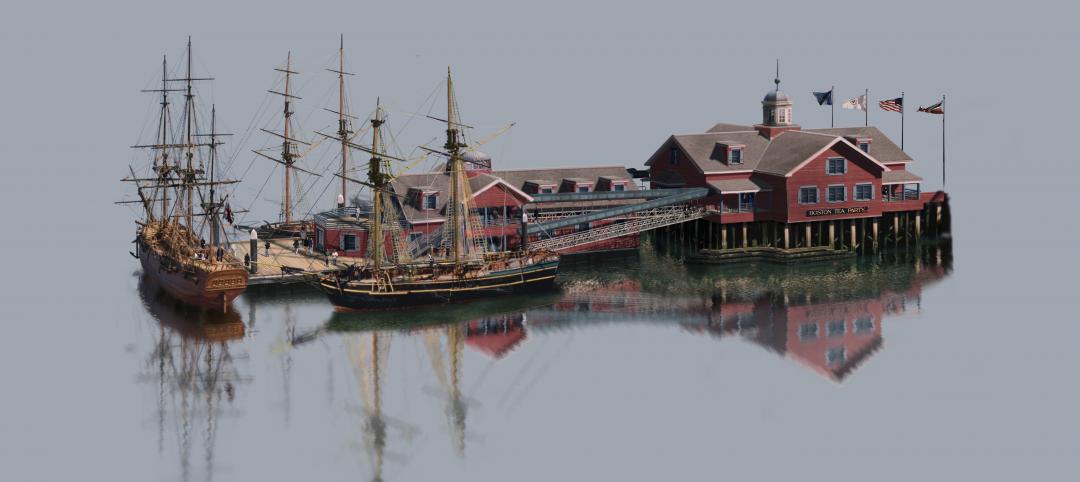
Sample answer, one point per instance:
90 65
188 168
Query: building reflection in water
827 318
193 372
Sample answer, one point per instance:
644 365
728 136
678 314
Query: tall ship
183 205
460 267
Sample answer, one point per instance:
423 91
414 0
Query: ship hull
359 296
203 289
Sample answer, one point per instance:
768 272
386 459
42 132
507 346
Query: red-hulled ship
168 242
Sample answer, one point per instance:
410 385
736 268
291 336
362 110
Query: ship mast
286 144
289 152
453 148
161 167
378 182
188 182
343 126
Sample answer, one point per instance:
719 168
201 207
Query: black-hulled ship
461 269
181 204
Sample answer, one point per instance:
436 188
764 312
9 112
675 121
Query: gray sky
986 375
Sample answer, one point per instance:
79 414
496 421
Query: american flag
893 105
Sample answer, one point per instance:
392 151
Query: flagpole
832 106
866 108
902 109
943 141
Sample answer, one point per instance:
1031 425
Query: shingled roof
439 181
778 155
881 147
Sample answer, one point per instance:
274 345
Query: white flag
855 103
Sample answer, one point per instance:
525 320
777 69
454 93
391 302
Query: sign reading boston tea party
837 211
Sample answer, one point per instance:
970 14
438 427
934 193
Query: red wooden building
499 196
792 183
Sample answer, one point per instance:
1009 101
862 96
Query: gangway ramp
663 207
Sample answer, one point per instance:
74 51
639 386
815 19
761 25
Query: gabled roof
777 156
790 149
703 151
881 147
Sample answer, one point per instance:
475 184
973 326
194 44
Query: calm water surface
641 367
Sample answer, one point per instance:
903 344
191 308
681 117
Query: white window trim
855 194
830 186
829 161
732 150
817 195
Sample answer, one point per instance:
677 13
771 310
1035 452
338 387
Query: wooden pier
283 265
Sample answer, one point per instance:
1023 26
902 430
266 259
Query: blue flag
824 98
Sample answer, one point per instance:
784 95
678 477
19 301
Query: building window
547 190
837 194
808 195
864 325
837 166
864 192
348 242
808 331
583 188
674 155
865 146
746 201
413 237
835 328
431 201
835 355
618 187
735 156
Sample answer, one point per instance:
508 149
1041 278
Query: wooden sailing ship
461 269
181 202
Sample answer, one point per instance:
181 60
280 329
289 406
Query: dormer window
863 143
674 156
619 186
582 188
735 155
547 190
431 201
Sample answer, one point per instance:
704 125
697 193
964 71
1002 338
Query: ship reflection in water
193 374
827 318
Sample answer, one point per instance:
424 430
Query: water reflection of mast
194 369
367 357
449 378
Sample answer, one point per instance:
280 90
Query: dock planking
284 266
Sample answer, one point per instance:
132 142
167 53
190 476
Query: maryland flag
934 109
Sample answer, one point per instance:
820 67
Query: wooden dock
283 266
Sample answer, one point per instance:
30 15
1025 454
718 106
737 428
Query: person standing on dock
266 248
335 258
296 245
